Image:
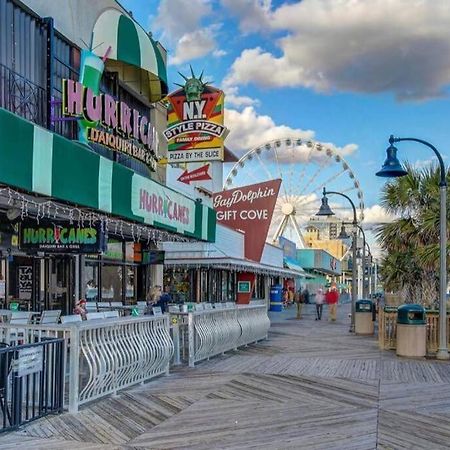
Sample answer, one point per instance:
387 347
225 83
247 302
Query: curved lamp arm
355 220
443 181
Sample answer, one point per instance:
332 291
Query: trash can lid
411 307
411 314
364 301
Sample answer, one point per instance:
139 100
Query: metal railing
104 356
203 334
22 97
387 329
31 382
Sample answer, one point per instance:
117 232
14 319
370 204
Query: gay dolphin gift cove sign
249 209
195 130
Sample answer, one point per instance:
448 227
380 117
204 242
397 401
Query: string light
52 210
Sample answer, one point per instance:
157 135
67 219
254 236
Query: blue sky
342 72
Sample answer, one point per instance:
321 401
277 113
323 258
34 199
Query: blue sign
289 248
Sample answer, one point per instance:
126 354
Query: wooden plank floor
312 385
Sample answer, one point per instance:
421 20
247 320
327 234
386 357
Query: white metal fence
204 334
103 356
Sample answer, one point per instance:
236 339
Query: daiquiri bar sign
125 130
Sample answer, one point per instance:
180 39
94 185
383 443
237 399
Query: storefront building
83 201
219 272
322 267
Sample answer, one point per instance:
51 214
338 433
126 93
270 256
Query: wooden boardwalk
312 385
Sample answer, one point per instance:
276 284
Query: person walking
332 298
164 299
299 301
320 297
291 296
306 296
285 297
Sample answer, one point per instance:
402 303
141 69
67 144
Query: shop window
180 285
111 277
224 290
204 288
114 250
21 281
23 68
130 284
231 295
259 290
91 282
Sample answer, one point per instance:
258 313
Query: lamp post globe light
325 210
393 168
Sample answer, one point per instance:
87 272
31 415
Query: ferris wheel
305 168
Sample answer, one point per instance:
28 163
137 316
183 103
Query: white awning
239 265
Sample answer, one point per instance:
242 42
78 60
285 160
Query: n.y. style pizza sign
249 209
195 118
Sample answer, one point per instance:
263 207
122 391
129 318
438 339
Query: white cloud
181 25
233 98
262 68
176 18
194 45
253 15
376 215
400 46
248 129
218 53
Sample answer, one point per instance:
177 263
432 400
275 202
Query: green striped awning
130 44
36 160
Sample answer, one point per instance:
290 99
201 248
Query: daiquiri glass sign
55 238
111 123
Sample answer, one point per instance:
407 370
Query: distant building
325 239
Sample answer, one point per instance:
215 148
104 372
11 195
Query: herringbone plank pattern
312 385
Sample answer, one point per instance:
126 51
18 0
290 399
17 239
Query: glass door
60 286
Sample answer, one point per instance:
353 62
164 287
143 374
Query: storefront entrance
38 283
58 275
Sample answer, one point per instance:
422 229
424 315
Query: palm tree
411 242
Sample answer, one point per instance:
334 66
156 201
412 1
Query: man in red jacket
332 298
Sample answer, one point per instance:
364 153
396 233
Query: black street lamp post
393 168
342 235
325 210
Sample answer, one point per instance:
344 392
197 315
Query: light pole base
443 354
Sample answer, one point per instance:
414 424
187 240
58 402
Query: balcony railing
22 97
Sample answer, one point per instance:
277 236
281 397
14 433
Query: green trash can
411 331
364 324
